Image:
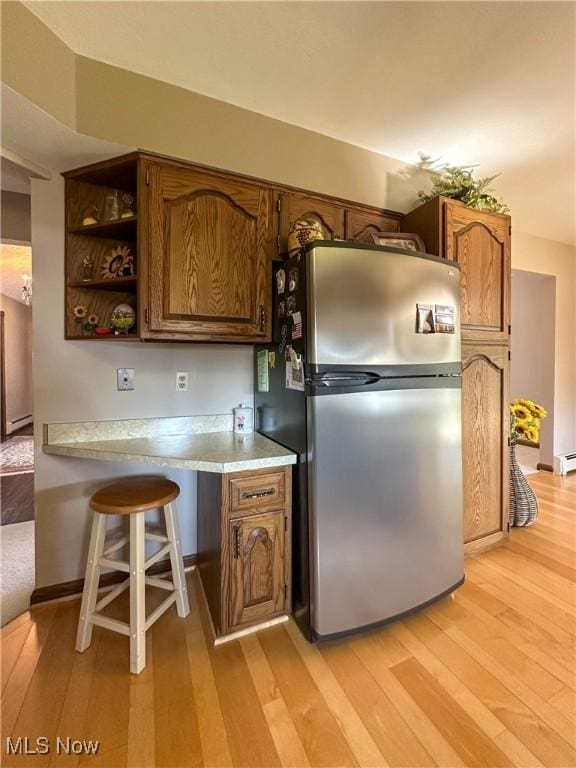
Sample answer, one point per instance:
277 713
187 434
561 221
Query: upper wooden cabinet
209 255
293 206
480 243
362 223
194 245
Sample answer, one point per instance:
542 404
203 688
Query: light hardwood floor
484 679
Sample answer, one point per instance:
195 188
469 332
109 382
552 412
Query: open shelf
113 284
119 229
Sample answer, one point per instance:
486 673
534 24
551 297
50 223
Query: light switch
125 379
182 381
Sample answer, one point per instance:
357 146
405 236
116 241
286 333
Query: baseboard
476 546
14 426
70 588
545 467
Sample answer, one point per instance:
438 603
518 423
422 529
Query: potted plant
525 420
458 183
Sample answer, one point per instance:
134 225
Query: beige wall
15 217
548 257
532 347
208 131
18 360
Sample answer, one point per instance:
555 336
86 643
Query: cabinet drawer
256 492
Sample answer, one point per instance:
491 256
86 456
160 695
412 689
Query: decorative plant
92 322
525 420
80 315
458 183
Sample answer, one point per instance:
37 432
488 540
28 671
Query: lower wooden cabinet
244 535
257 567
485 430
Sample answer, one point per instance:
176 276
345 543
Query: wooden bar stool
134 497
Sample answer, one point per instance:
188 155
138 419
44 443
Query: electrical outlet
125 379
182 381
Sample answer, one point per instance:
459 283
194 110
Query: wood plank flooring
487 678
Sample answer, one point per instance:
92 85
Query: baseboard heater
564 463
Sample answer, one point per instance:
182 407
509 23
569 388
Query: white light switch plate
124 379
182 381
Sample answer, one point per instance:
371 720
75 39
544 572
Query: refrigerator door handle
343 378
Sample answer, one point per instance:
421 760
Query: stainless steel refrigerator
363 381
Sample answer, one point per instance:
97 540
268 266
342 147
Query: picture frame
408 240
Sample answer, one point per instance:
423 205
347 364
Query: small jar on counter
243 419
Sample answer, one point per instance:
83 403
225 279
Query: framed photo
408 240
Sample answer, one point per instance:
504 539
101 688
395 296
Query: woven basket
523 503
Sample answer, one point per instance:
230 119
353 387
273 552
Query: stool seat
137 494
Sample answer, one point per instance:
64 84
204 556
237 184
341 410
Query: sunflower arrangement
525 420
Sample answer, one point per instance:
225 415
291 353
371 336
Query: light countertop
205 447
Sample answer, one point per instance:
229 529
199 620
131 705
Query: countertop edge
70 450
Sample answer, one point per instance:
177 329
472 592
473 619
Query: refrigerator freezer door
385 504
365 308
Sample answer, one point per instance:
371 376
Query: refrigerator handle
343 379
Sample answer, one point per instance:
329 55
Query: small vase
523 504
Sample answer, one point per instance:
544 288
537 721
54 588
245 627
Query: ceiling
473 83
15 261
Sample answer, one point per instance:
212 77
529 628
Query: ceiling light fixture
27 290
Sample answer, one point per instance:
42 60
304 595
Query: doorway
17 526
532 358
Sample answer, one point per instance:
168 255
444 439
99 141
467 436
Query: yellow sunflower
520 411
539 412
531 434
522 427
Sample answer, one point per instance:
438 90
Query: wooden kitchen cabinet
485 432
362 223
208 255
244 538
293 206
480 243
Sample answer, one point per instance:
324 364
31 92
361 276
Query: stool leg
91 580
137 593
178 576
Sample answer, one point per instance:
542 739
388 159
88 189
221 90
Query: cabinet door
257 567
485 439
209 249
480 243
293 207
362 224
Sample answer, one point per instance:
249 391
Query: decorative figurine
91 219
127 201
118 263
87 267
111 207
122 319
301 232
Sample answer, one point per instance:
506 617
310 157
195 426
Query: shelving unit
86 191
